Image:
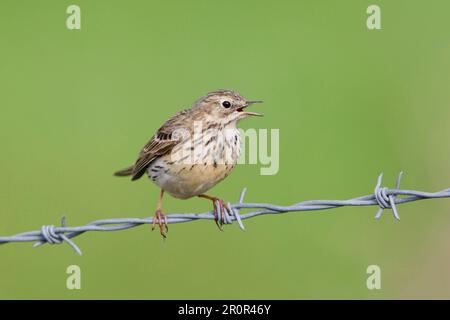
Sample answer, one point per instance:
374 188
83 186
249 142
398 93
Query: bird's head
225 106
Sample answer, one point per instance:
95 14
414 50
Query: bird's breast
197 164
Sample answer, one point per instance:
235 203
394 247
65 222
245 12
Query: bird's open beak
248 103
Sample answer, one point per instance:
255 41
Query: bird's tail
125 172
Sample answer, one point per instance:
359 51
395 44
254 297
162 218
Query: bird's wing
160 144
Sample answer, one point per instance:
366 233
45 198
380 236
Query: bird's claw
219 212
161 219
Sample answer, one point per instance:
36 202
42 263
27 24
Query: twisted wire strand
382 197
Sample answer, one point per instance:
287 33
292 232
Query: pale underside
196 165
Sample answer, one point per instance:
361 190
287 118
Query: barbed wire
382 197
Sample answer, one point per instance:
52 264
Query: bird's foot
220 208
219 212
161 219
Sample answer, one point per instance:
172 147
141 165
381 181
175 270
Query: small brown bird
194 150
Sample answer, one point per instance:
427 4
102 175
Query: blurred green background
76 105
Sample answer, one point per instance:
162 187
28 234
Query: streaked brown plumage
194 150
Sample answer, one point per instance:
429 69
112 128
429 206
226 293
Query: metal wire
382 197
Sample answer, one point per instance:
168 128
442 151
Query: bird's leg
217 211
160 217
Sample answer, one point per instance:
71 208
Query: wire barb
382 197
384 200
52 235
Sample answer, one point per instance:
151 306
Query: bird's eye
226 104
